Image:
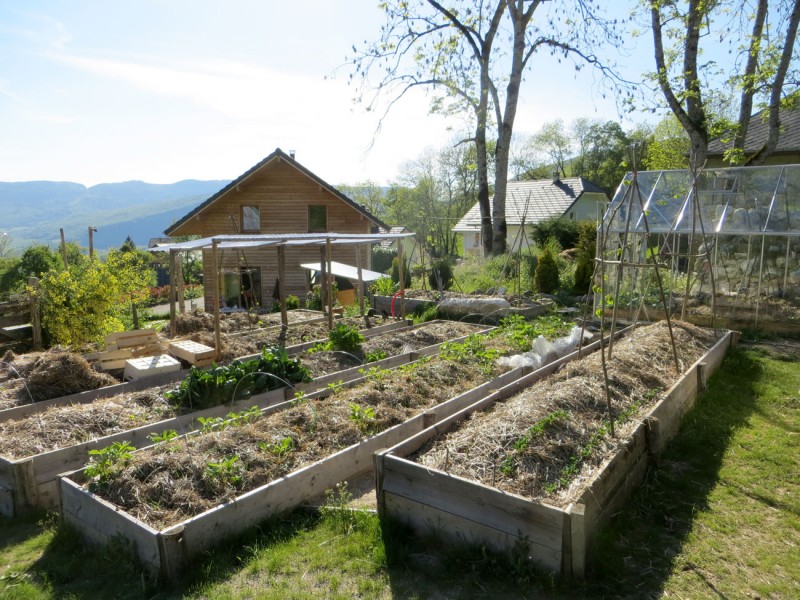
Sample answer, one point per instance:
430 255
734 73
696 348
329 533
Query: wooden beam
282 293
360 288
64 250
217 332
180 284
172 322
401 271
329 284
36 315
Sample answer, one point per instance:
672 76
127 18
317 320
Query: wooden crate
194 353
147 366
131 339
470 512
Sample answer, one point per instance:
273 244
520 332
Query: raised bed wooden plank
130 339
46 466
210 528
423 500
493 509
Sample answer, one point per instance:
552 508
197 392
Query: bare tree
466 52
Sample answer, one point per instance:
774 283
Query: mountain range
32 212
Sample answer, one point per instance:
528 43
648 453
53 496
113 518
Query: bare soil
62 426
547 441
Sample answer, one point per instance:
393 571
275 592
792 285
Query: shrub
441 275
382 258
546 279
292 302
584 258
566 231
314 297
396 272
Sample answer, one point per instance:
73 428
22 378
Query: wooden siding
283 195
267 259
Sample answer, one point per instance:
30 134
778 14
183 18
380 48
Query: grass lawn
719 518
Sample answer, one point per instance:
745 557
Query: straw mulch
187 323
171 482
547 440
67 425
50 375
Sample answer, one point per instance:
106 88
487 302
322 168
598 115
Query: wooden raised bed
17 412
32 481
168 551
383 304
466 511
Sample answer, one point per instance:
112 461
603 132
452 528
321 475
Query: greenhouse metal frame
720 245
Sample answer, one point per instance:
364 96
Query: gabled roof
758 131
278 154
395 229
544 198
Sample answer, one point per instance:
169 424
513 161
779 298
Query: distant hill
33 211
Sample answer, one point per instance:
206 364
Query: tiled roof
282 155
541 198
757 132
396 229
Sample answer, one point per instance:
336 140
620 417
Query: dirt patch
188 323
548 440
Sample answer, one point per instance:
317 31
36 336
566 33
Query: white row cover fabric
347 271
275 239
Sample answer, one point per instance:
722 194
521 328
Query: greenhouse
720 248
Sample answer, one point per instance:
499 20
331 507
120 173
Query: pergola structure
280 241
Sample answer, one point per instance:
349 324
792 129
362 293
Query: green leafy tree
604 158
78 305
669 146
35 261
134 274
584 257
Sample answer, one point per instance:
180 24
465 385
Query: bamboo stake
172 318
329 284
282 294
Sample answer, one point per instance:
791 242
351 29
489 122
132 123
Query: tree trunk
773 122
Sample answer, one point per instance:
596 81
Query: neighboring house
787 152
278 195
412 249
534 201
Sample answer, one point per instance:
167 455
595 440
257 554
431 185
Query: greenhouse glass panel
725 243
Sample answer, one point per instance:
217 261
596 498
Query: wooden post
329 284
217 333
323 279
172 323
401 271
180 284
91 241
282 293
64 250
36 316
360 289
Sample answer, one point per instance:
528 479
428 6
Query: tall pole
282 292
172 322
91 241
329 283
64 250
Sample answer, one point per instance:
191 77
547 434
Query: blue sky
164 90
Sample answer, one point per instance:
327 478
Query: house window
317 219
251 219
572 216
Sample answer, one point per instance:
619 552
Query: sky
164 90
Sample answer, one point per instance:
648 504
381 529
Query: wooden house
278 195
